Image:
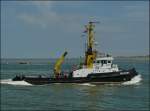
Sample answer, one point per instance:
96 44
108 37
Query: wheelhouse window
104 61
109 61
97 61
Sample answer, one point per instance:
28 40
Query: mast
90 55
90 29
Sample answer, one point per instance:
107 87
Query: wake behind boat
96 68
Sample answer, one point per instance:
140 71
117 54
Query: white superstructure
100 65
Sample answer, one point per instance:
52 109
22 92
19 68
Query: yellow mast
57 67
90 55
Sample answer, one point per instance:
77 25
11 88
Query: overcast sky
45 29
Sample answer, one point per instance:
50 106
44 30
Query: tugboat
97 68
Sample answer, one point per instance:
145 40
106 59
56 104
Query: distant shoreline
148 56
134 57
120 57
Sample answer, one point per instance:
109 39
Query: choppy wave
9 81
134 81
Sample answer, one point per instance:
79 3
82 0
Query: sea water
20 95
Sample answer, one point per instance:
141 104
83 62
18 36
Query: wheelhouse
103 61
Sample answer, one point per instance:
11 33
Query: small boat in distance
97 68
23 62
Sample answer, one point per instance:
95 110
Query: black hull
113 77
